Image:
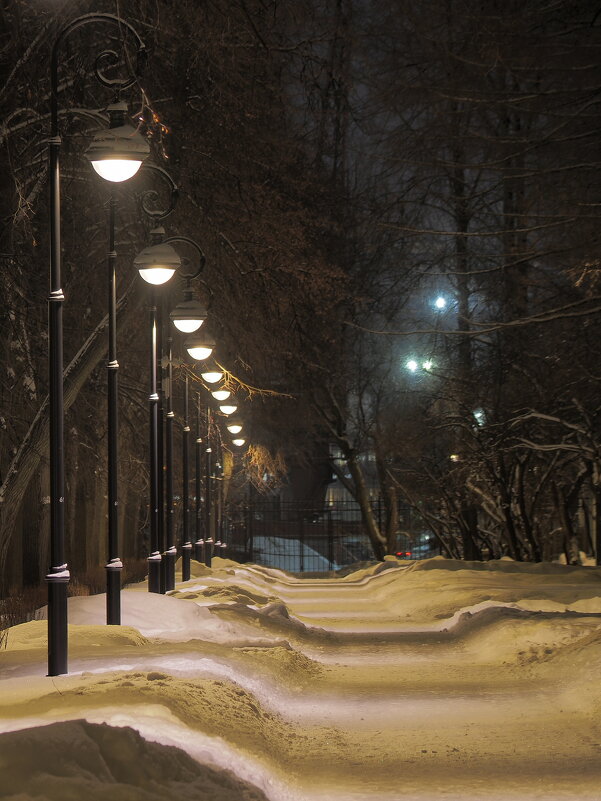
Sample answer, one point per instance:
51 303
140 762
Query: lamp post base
186 559
170 558
113 593
57 626
154 573
199 547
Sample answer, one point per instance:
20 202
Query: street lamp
156 264
188 315
221 394
199 542
212 376
58 575
186 544
228 408
200 346
116 155
238 442
234 426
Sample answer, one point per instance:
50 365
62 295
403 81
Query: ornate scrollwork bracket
105 60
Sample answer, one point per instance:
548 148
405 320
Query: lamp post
170 553
116 155
156 264
186 544
199 543
58 576
208 497
187 317
200 347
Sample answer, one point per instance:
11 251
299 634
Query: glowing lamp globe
234 427
221 394
227 409
117 153
199 346
238 442
188 316
157 263
212 376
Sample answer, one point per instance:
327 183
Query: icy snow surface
427 681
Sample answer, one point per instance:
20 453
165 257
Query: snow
418 681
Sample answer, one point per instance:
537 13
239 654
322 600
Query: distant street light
156 265
186 544
228 408
221 394
200 346
158 262
188 315
116 155
199 542
234 426
412 365
212 376
440 303
480 416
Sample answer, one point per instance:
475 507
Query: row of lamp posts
116 154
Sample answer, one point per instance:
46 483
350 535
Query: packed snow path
426 681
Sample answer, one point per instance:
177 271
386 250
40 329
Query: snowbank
429 680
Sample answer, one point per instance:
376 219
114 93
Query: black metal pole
170 555
186 544
154 559
114 565
199 545
161 442
58 574
209 539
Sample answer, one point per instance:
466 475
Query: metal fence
297 537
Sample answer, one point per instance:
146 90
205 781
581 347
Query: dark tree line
475 129
341 163
212 102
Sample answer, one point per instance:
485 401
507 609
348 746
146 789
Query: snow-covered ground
427 680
